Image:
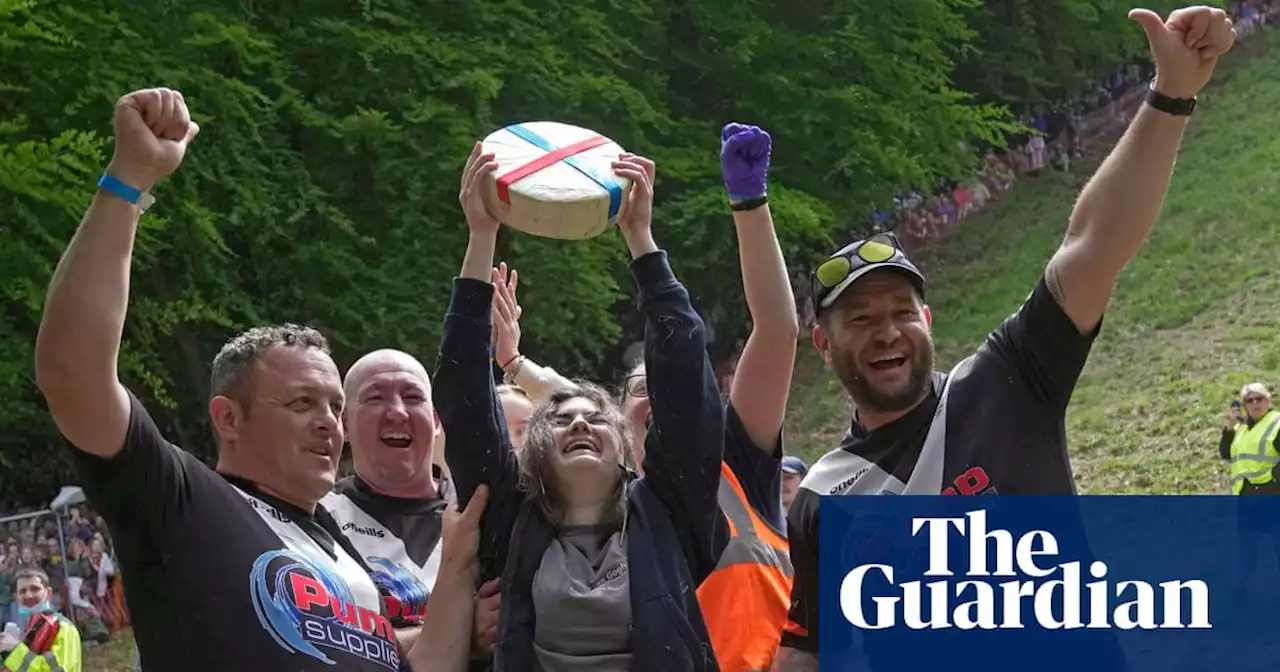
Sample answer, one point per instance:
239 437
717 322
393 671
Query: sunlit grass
1193 317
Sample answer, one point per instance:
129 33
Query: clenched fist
744 160
153 129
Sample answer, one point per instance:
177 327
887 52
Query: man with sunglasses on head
996 422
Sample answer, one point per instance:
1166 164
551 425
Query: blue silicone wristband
111 185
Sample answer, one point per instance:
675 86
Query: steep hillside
1194 316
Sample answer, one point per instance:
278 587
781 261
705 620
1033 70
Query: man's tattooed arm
1054 284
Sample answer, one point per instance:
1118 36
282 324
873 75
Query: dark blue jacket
675 533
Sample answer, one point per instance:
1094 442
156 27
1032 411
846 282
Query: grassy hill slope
1193 318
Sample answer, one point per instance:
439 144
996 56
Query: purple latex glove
744 160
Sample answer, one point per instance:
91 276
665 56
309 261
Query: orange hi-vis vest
746 598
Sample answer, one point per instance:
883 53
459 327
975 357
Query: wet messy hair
536 478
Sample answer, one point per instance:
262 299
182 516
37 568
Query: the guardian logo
1051 593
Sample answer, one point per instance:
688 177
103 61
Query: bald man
392 509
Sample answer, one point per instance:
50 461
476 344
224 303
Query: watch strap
110 184
1180 107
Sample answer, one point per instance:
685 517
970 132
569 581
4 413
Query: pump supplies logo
306 609
1105 584
402 592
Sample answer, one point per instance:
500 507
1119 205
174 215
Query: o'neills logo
368 531
308 610
1053 596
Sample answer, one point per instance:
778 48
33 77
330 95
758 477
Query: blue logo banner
1032 583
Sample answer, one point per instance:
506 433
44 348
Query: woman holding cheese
598 564
744 603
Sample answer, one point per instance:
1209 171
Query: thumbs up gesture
1186 46
153 129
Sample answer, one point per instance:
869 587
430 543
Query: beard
869 397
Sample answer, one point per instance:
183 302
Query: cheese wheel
554 180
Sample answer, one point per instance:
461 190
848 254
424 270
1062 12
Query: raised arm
78 346
478 450
1120 204
1229 434
539 381
763 379
685 443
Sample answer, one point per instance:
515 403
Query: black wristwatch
1179 107
749 203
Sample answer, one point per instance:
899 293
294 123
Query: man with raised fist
996 422
233 569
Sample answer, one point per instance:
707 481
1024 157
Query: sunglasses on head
874 250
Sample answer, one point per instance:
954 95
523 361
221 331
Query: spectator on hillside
1036 154
1060 158
8 567
207 551
102 597
793 471
52 564
80 584
981 195
1251 442
77 527
963 197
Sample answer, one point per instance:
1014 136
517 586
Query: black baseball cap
840 270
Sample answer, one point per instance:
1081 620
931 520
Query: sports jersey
999 429
399 540
222 576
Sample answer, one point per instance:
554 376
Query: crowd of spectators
1057 139
86 584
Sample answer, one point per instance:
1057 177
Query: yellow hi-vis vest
52 644
1253 452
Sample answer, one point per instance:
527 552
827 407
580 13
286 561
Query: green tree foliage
1035 54
323 187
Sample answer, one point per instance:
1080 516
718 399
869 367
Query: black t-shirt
759 473
219 576
1005 434
399 539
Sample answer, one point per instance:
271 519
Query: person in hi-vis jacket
41 640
